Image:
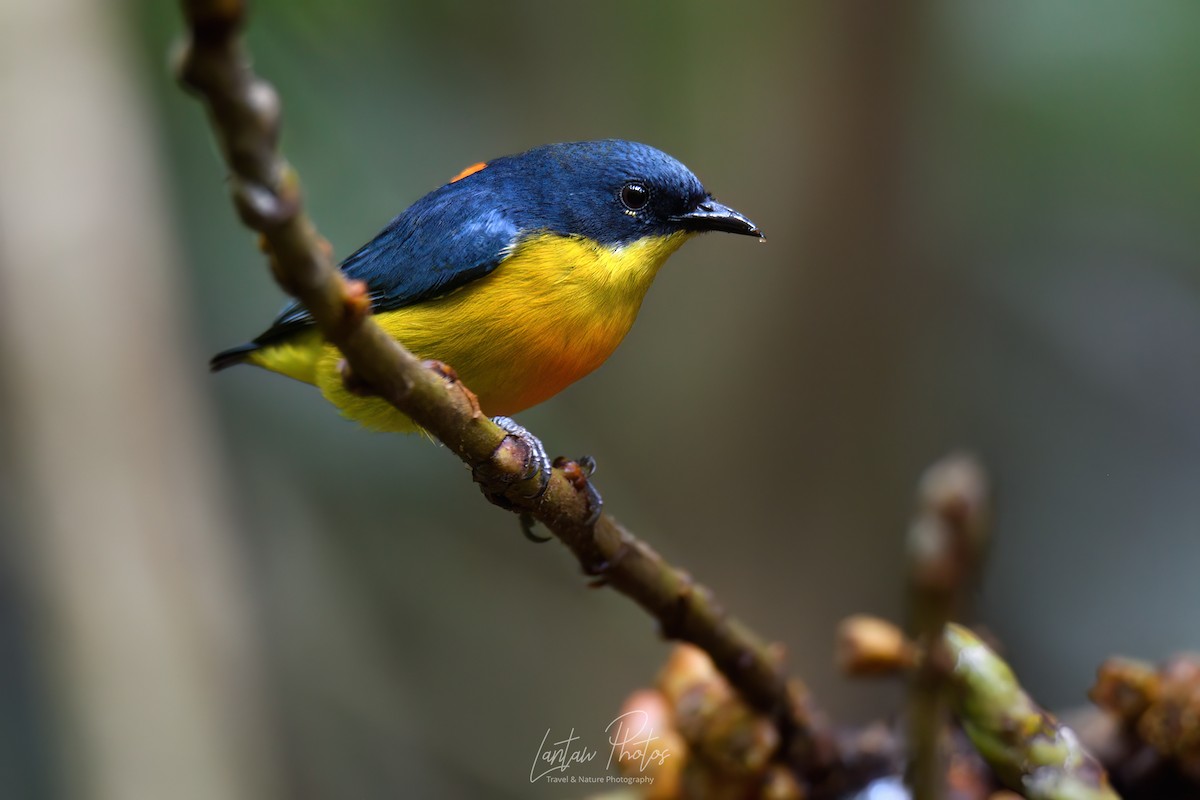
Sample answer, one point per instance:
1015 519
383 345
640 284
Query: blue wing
448 238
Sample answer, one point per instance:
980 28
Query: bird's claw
579 472
595 506
538 465
527 523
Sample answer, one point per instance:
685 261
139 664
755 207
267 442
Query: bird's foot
537 464
579 473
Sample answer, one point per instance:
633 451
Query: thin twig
945 544
244 111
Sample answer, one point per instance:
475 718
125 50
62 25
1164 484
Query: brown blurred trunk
856 286
141 602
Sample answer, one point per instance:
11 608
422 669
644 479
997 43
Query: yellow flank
295 357
551 313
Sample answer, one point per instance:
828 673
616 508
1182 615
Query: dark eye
635 196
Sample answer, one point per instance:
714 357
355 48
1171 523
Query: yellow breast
550 314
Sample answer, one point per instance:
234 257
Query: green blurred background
982 224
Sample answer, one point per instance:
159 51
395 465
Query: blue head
611 191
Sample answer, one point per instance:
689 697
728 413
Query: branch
1029 749
1026 747
1153 741
245 111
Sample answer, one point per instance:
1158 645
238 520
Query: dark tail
232 356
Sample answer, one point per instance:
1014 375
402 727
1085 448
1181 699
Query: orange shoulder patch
471 170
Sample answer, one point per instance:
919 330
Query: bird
523 274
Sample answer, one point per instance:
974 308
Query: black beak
710 215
